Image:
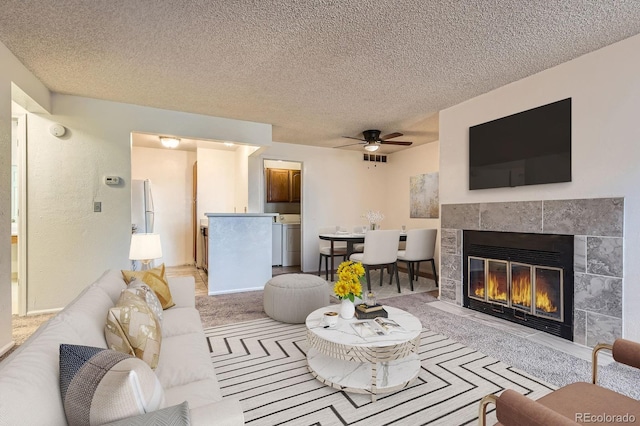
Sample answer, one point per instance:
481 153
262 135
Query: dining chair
339 250
421 245
380 252
358 247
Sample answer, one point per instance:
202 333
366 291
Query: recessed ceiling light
168 142
229 144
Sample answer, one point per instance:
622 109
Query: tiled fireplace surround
597 227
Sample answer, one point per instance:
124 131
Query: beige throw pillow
134 329
156 279
131 275
141 289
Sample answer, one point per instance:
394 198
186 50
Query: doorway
18 215
283 196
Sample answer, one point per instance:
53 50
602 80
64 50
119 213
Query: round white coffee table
341 358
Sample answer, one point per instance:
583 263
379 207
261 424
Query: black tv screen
528 148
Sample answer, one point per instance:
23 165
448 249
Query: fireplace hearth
523 278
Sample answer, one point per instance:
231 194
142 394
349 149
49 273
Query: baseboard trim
6 347
217 293
44 311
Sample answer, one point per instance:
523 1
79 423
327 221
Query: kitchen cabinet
283 185
295 183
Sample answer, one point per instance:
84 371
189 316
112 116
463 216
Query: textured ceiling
315 70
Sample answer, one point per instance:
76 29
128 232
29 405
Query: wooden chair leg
398 277
435 274
390 269
320 265
417 271
413 274
381 274
326 268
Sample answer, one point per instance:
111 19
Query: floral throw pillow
141 289
134 329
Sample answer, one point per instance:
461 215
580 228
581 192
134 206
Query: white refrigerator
142 212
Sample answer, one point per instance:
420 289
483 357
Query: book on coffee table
371 315
368 308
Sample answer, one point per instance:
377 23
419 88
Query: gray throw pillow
177 415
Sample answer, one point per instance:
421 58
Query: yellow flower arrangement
348 285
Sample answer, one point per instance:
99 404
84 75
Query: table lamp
145 248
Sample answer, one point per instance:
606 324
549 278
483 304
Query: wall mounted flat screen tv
528 148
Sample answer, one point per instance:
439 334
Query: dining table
350 238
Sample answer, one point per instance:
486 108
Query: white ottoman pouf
292 297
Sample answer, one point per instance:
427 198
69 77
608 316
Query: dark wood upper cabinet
277 186
283 186
295 183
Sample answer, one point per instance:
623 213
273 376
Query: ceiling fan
372 140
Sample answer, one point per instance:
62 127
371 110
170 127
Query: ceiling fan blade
350 137
391 136
351 144
396 143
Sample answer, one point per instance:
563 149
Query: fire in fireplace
524 278
532 289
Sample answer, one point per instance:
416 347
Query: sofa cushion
100 385
141 289
134 329
29 379
198 393
176 415
174 369
86 315
112 283
181 321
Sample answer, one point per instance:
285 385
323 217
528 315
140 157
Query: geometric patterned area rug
263 364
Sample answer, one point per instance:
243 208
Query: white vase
347 309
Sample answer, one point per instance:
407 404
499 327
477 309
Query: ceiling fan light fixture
372 147
168 142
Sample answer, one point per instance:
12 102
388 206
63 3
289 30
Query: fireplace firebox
522 278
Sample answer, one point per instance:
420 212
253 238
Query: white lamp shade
145 247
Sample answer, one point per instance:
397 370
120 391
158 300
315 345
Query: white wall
241 180
170 172
403 164
69 244
605 89
30 93
216 181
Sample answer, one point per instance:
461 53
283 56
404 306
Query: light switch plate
97 206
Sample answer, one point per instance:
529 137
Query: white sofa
29 377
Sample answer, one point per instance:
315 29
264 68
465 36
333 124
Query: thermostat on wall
111 180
